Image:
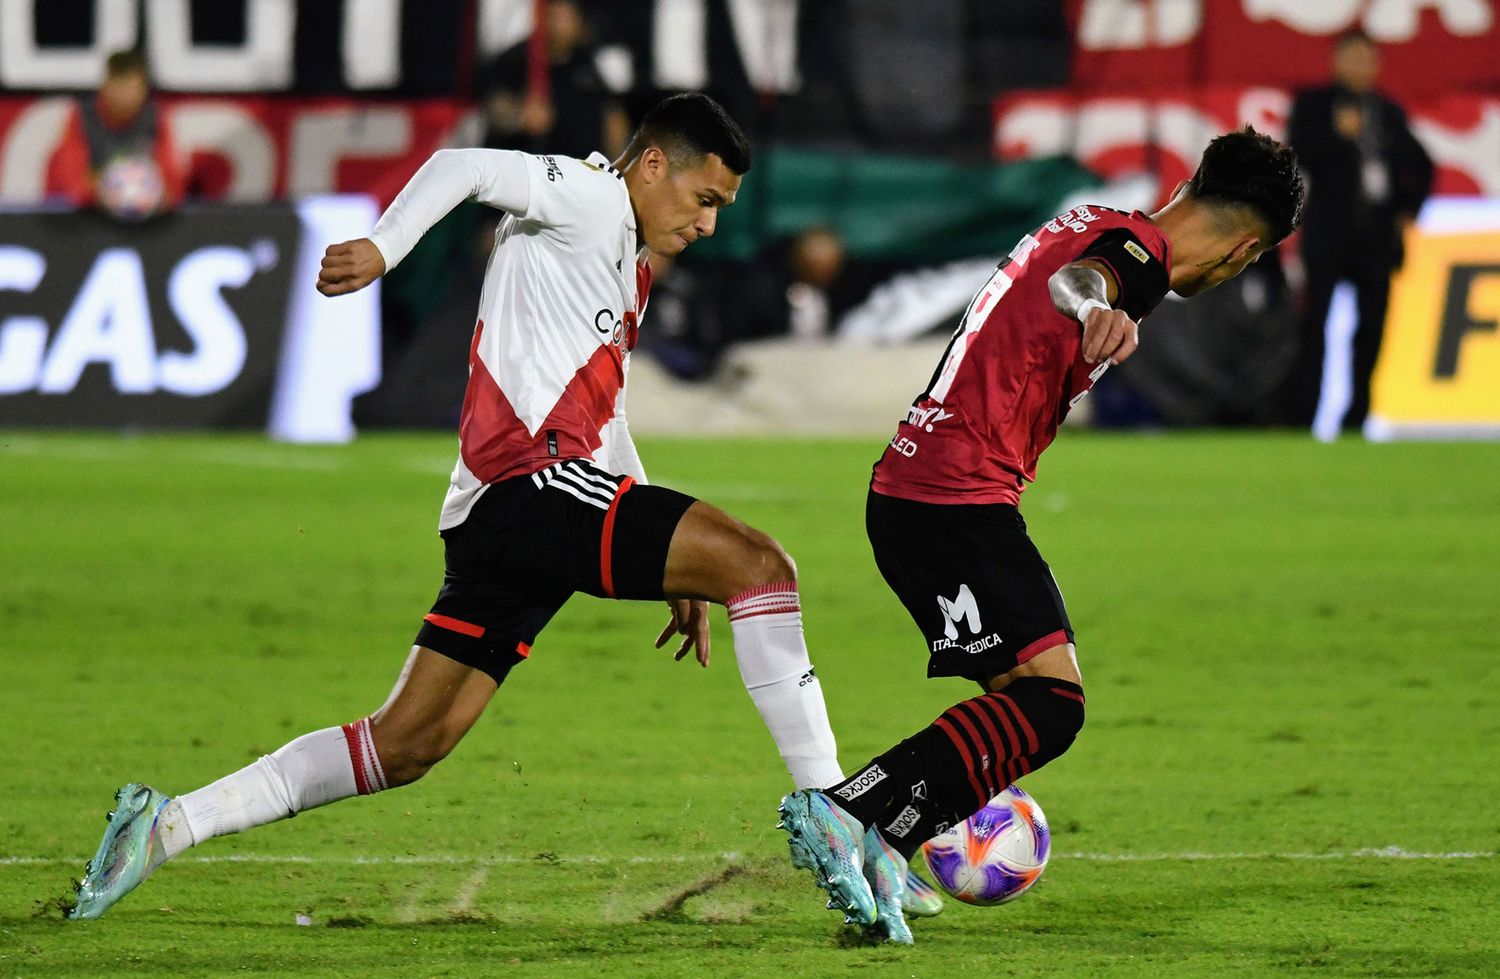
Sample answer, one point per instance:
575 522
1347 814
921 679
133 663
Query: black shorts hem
479 652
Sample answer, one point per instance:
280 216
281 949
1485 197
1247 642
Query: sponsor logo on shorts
961 607
1137 252
867 780
972 648
905 820
809 677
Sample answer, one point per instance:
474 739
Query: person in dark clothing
575 114
1367 177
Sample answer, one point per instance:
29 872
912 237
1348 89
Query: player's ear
1177 191
1243 248
653 164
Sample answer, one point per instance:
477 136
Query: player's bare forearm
1076 285
1082 291
350 266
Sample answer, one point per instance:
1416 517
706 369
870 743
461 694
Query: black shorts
530 542
973 581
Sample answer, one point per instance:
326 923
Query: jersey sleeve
1139 273
498 178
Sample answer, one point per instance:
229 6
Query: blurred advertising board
206 318
253 149
1164 133
1439 369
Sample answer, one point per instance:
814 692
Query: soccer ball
131 188
996 854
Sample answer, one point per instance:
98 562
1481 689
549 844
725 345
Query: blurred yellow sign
1439 369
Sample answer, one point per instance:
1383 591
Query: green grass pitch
1291 763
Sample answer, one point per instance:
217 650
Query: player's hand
690 619
1109 334
350 266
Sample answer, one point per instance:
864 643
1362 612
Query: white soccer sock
772 655
312 771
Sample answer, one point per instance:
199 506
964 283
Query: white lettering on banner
1116 25
321 139
371 43
23 64
28 147
109 322
195 292
1103 132
1383 20
1475 151
228 131
765 35
263 62
23 339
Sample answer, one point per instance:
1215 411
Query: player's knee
765 561
1053 708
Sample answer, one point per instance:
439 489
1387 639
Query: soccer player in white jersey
548 496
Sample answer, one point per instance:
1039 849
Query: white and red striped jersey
558 312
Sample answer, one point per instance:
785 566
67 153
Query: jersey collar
597 159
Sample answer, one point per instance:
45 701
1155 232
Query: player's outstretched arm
349 266
494 177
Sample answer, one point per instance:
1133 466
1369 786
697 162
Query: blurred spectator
576 114
1367 179
116 154
799 288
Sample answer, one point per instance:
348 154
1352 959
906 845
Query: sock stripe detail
997 753
356 759
769 599
1021 721
368 775
968 759
986 708
1068 693
984 760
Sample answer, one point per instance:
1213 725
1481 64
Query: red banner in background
1118 136
255 149
1428 46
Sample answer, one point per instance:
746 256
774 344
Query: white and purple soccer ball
996 854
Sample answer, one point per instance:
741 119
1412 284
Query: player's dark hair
1250 170
127 62
688 127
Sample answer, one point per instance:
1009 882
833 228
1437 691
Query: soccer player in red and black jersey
942 513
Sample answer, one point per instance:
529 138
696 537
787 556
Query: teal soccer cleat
126 853
922 900
885 869
826 840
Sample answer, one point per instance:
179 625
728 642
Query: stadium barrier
205 318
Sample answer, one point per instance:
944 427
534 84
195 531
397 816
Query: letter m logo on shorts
962 606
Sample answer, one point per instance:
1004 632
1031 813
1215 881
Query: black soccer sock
946 772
